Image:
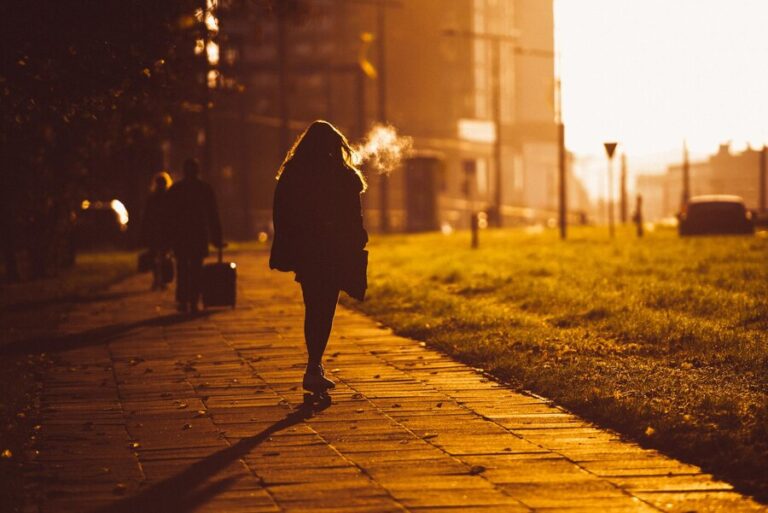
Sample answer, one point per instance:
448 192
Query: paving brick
153 411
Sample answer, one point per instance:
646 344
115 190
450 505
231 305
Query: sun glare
650 74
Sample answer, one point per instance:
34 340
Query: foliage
88 88
665 339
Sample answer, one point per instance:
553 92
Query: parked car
101 224
715 214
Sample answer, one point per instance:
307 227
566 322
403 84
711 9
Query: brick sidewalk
147 411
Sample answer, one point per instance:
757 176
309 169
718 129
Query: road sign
610 148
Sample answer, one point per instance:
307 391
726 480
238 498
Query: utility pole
496 215
562 185
360 86
562 176
610 148
244 175
762 180
623 191
381 28
207 129
686 195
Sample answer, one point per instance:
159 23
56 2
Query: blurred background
505 106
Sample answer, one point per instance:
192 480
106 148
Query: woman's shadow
96 336
183 492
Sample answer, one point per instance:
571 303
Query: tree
88 88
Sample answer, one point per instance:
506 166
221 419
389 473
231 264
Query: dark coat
319 231
154 223
194 218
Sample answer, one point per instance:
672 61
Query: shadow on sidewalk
183 492
76 299
95 336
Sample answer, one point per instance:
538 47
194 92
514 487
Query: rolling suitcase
219 283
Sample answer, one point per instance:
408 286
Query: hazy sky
650 73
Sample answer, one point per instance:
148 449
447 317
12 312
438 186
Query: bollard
475 228
638 217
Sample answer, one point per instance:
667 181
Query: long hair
162 181
321 145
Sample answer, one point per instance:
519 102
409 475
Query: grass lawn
661 338
29 310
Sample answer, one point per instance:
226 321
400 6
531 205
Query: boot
315 380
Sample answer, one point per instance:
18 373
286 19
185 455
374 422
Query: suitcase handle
221 251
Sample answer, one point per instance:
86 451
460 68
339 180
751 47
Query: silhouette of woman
319 233
154 231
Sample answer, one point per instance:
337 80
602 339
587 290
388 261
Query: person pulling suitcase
194 223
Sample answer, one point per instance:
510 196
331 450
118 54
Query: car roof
716 198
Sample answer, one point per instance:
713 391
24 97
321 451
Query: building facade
456 76
724 172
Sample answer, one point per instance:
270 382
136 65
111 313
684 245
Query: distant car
714 215
101 224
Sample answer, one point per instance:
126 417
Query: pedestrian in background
154 227
194 222
319 234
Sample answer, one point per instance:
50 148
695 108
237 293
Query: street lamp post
623 189
562 184
610 149
686 194
381 26
762 180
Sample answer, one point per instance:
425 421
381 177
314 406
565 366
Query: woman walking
319 234
154 227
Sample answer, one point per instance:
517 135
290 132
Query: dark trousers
319 308
158 257
189 270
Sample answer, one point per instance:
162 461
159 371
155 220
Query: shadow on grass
191 488
92 337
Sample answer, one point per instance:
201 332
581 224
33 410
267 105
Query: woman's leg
319 308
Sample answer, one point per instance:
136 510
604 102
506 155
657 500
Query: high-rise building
452 75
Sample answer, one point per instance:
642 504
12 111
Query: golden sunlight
650 74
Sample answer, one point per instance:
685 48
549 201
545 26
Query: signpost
610 149
623 189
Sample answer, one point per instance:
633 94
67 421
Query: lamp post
209 52
686 194
381 27
610 149
623 189
761 181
